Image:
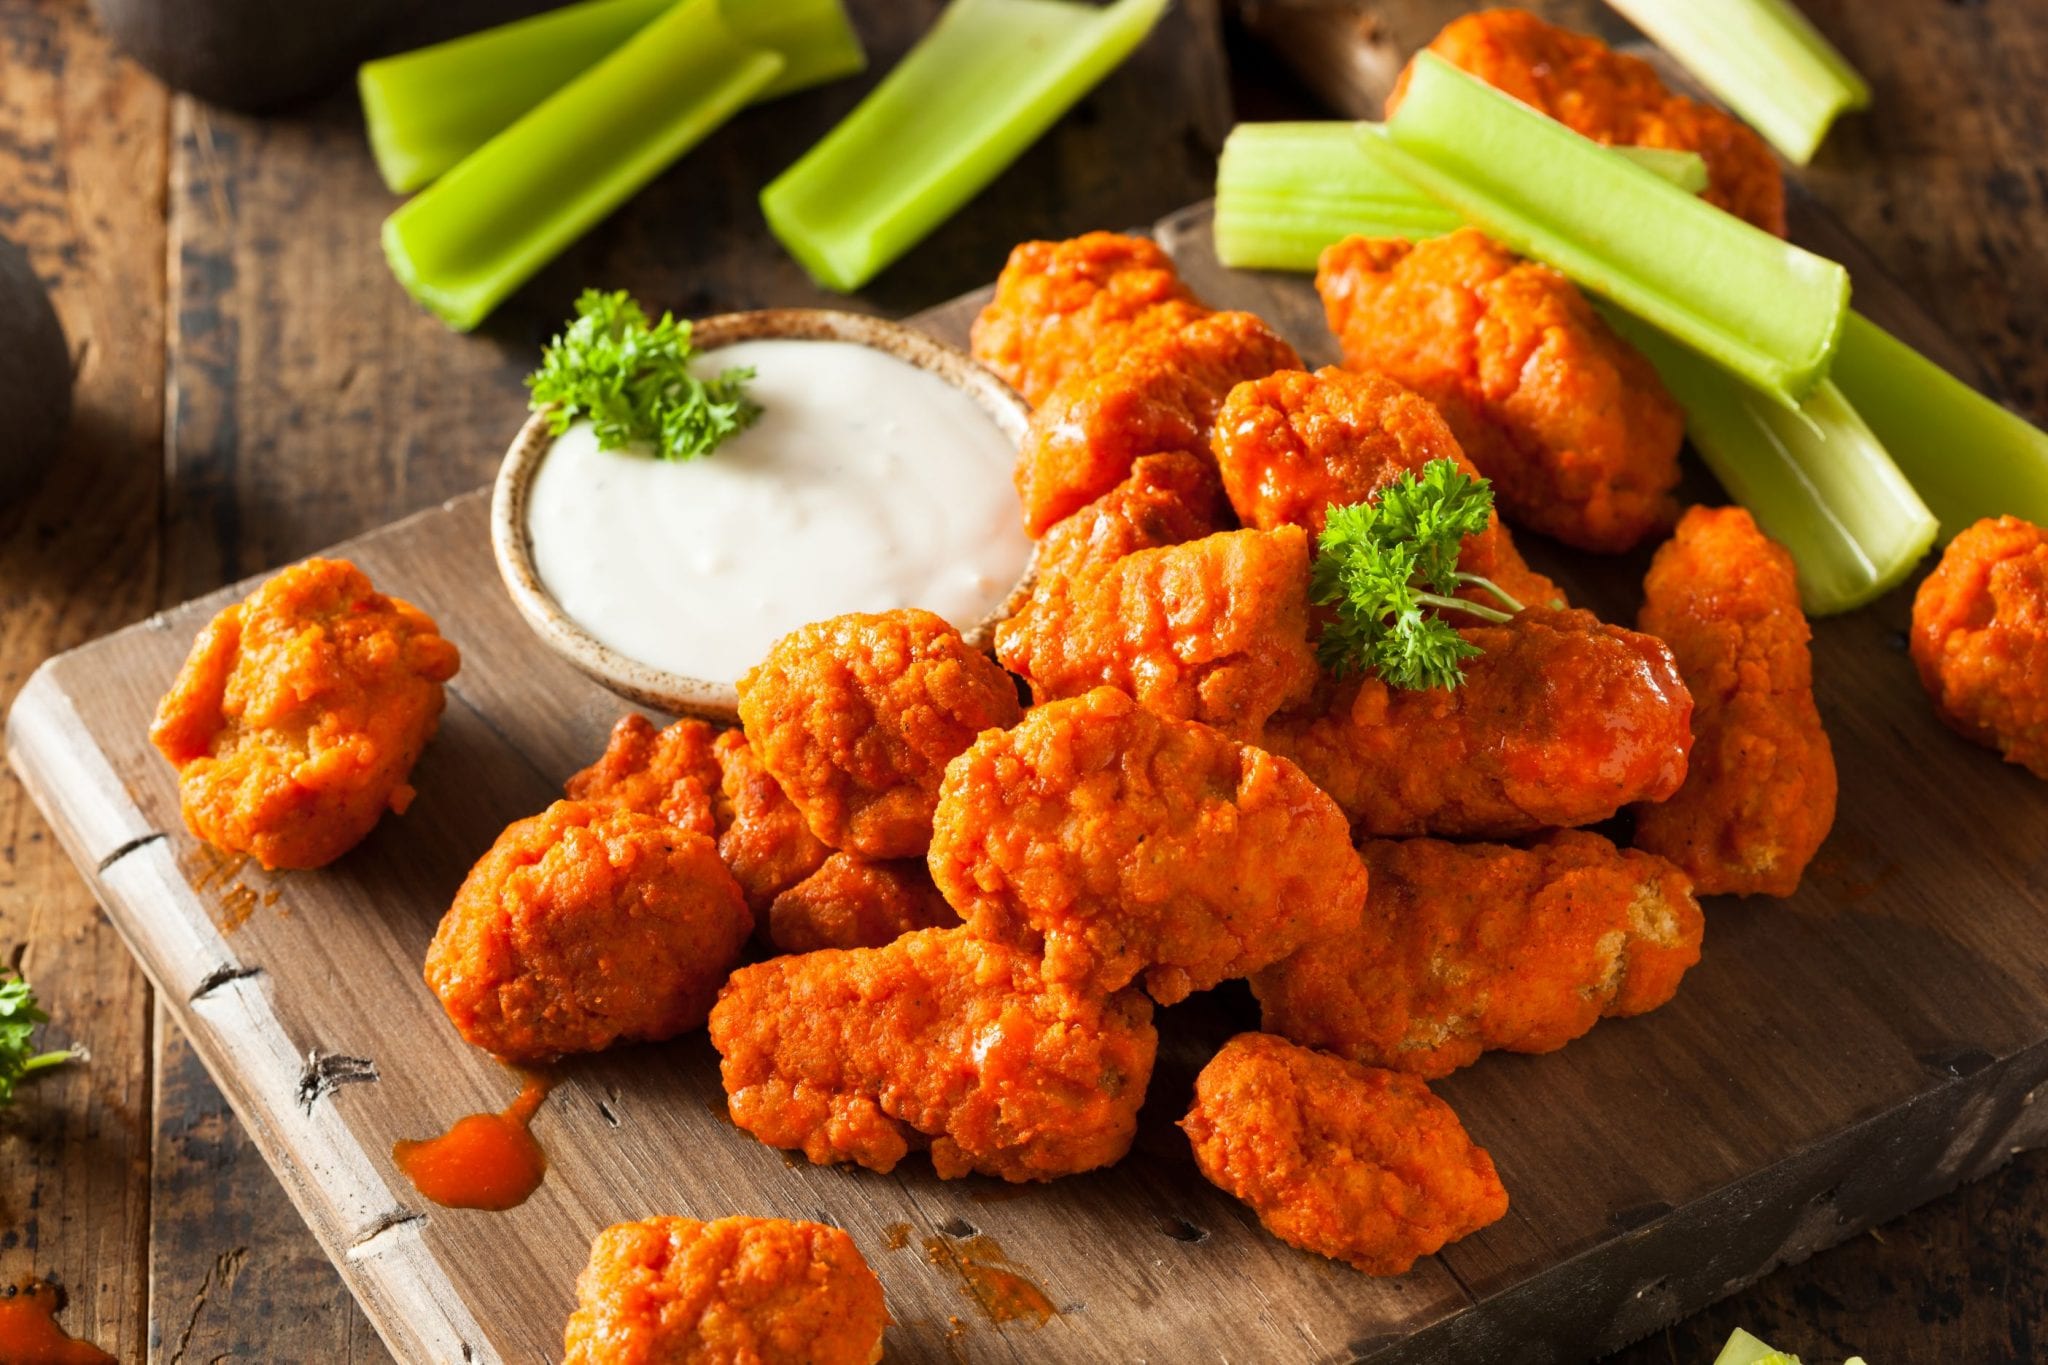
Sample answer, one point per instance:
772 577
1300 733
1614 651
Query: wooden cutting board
1834 1060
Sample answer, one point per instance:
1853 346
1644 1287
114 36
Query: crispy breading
857 716
1351 1162
936 1039
1158 393
671 773
1570 422
1127 844
1058 304
850 902
1560 721
1980 638
299 713
1466 948
1614 99
1294 444
585 926
762 837
1214 630
1166 499
1759 793
734 1291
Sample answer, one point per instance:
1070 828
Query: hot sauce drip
29 1334
485 1161
998 1285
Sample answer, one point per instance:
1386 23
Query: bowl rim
660 688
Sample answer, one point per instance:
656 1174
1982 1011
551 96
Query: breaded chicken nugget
1294 444
1124 844
1347 1161
1160 393
1471 947
300 712
1167 499
857 717
1214 630
736 1291
1980 638
937 1039
1570 422
1759 793
1059 304
583 927
1614 99
850 902
1560 721
671 773
762 837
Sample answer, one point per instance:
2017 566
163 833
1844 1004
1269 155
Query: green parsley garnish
1388 566
19 1016
633 381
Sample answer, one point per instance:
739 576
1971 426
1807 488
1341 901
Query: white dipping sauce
866 484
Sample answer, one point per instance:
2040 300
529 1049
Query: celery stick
990 77
506 210
426 110
1284 191
1966 455
1763 308
1815 478
1764 59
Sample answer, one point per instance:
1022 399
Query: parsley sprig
632 380
1389 566
19 1016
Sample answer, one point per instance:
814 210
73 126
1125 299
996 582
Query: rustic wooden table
252 386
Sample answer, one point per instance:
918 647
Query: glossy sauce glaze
485 1161
29 1334
867 484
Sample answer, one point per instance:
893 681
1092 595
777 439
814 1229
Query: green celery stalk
980 87
428 109
1815 478
1284 191
1967 456
1744 1349
1761 307
481 230
1764 59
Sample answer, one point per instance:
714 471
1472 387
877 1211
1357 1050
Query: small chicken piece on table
1759 793
851 902
1560 720
1125 844
763 837
936 1040
1467 948
671 773
1355 1163
1980 638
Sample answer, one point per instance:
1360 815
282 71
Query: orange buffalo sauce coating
29 1334
1351 1162
763 838
299 713
484 1161
1980 638
671 773
851 902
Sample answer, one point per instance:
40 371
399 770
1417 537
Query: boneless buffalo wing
852 902
763 837
1980 638
671 773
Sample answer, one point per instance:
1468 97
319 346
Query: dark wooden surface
306 400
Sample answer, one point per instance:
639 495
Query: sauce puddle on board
998 1285
485 1161
29 1334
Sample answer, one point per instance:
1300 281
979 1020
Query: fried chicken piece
858 715
850 902
1759 793
762 836
671 774
585 926
1295 444
1467 948
1980 638
1560 721
1058 305
937 1039
1614 99
1214 630
1159 393
1570 422
297 717
1167 499
1347 1161
734 1291
1124 843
